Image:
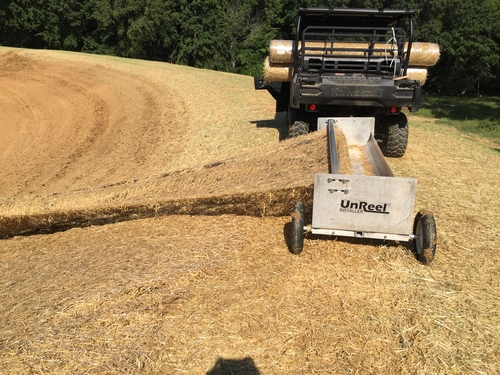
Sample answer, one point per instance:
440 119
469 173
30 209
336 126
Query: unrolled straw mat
264 182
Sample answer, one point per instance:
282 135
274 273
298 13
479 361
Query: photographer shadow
245 366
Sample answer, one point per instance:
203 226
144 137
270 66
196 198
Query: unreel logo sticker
362 207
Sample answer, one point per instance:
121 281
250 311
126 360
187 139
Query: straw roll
422 54
281 51
284 73
417 74
277 72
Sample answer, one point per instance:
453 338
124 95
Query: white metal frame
376 207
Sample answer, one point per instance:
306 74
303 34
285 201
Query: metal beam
332 148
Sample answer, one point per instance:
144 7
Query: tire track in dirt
18 113
79 125
86 135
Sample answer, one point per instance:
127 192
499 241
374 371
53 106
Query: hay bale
277 72
281 51
422 54
417 73
284 73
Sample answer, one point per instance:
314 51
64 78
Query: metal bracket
341 180
345 191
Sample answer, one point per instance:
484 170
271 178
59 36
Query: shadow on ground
287 234
478 116
462 108
278 123
245 366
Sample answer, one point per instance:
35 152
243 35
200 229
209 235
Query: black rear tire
297 123
395 139
298 128
424 229
297 233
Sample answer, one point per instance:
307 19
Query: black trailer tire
396 138
297 232
424 229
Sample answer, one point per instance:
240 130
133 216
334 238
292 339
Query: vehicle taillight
394 110
312 107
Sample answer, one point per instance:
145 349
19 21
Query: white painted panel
364 203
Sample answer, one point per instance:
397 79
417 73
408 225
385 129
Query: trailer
370 202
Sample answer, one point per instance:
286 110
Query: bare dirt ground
215 290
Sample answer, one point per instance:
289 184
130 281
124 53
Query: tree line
234 35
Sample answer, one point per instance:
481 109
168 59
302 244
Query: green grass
474 115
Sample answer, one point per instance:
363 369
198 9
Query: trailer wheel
396 138
424 229
297 234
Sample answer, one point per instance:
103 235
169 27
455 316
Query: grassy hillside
478 116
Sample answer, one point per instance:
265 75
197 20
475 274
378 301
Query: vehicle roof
394 13
353 16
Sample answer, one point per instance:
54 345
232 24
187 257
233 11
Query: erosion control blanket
264 182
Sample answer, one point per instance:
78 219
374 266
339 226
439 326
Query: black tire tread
394 146
297 232
298 123
297 129
430 236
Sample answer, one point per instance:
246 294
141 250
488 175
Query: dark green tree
20 24
134 28
470 52
204 36
234 35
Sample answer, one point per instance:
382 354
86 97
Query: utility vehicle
348 63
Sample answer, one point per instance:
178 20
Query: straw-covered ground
202 282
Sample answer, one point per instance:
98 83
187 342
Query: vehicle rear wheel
298 128
297 123
297 233
395 139
424 229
